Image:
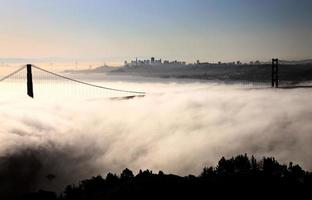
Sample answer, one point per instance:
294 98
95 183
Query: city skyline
114 31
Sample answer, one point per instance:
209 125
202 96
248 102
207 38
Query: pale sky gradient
115 30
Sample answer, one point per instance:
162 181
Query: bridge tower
30 88
275 72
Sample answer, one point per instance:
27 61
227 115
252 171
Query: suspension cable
88 84
11 74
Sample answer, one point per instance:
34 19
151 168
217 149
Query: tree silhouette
237 177
126 175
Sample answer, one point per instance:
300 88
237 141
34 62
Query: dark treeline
237 177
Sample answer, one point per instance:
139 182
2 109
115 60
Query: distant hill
101 69
257 73
297 62
291 72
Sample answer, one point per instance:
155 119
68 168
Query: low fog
177 127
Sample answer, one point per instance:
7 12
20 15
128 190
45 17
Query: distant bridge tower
275 72
30 87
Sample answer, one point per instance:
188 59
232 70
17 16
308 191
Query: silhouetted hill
297 62
102 69
238 177
289 72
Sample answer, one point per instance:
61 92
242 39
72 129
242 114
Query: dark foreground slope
239 177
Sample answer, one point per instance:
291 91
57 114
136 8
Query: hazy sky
208 30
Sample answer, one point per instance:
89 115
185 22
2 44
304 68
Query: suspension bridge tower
30 87
275 63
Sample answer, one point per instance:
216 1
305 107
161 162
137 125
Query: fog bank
178 128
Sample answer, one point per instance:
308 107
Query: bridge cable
88 84
11 74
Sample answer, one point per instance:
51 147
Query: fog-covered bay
179 126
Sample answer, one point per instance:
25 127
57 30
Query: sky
118 30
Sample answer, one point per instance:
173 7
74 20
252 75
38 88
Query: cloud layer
179 129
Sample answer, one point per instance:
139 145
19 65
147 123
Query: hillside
237 177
